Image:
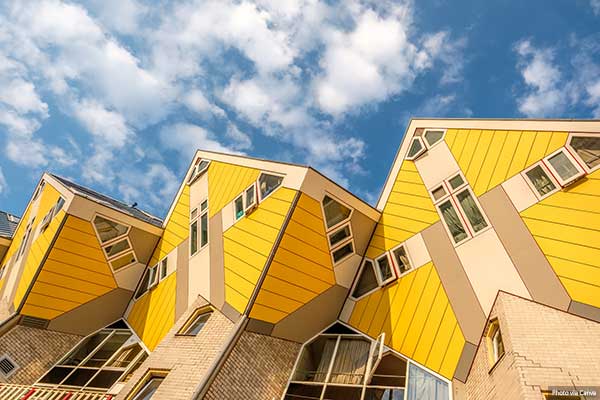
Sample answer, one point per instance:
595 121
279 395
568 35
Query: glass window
268 183
342 252
198 321
339 235
456 181
204 205
123 261
107 229
432 137
153 276
125 356
385 268
85 348
250 197
194 238
350 363
203 229
416 149
143 285
588 148
238 205
367 280
540 180
59 205
116 248
563 166
438 193
163 269
402 260
315 360
453 222
423 385
105 379
390 371
148 390
334 211
108 348
496 343
471 210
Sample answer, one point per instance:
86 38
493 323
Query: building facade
476 276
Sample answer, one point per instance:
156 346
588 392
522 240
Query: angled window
400 257
367 280
417 147
267 183
196 322
117 247
25 239
385 270
453 221
143 285
122 261
471 210
439 193
587 147
343 252
200 168
153 276
424 385
250 197
540 180
238 207
109 230
148 386
335 212
193 232
564 167
163 269
495 343
433 136
339 235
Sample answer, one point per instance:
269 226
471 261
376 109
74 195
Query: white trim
424 138
419 152
96 214
577 156
574 162
339 224
410 260
259 198
345 242
392 278
195 174
334 231
362 266
548 174
122 252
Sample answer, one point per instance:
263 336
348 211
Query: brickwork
34 350
257 369
186 357
543 347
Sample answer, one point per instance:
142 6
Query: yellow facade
176 227
302 267
226 182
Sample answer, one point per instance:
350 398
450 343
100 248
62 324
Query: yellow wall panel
488 158
74 273
301 268
153 314
408 210
417 318
247 246
226 182
176 227
566 226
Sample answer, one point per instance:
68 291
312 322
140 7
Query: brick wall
543 347
257 369
34 350
186 357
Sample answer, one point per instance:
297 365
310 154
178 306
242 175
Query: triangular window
367 280
334 212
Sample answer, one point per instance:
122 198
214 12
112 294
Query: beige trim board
465 361
182 279
584 310
258 326
217 260
231 313
531 264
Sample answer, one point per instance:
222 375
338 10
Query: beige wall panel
490 269
128 277
313 317
217 263
417 250
463 300
199 274
227 215
93 315
346 312
585 311
436 164
198 191
533 267
346 270
183 272
519 192
362 230
143 244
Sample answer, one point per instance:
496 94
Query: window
115 243
564 167
335 212
25 239
148 385
267 184
340 235
378 273
108 230
401 260
152 276
540 180
200 167
51 214
39 190
122 261
343 252
587 147
416 149
196 322
199 227
385 270
250 197
245 203
98 361
163 269
367 280
459 209
238 207
117 247
338 229
433 136
495 343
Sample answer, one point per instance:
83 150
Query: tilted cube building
476 276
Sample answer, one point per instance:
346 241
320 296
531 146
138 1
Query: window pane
401 260
384 394
122 261
391 371
298 391
385 269
423 385
194 238
250 196
563 166
194 213
452 221
143 284
153 276
438 193
315 360
471 210
116 248
204 205
366 281
268 183
163 268
107 349
415 148
334 211
135 367
456 181
339 235
239 207
350 364
588 148
343 252
105 379
203 229
196 326
149 389
80 377
108 230
433 137
85 348
540 180
125 357
342 393
56 375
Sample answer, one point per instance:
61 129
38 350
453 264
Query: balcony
22 392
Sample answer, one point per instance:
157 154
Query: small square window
196 322
564 166
385 270
238 206
438 193
342 252
401 259
456 181
540 181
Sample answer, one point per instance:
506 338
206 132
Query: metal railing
22 392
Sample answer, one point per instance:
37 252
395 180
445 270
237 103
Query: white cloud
187 138
156 183
240 140
22 96
3 184
27 152
196 101
595 6
123 16
109 127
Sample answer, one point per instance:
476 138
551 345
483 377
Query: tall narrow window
587 147
401 259
193 231
384 267
367 280
540 180
204 229
495 343
338 228
453 222
471 210
238 206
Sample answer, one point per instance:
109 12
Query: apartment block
475 276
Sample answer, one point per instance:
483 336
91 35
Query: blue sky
117 94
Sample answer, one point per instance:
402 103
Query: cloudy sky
117 94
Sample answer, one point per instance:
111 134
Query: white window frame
420 152
574 152
424 139
112 220
197 173
329 231
164 262
556 175
200 212
192 220
25 239
410 260
342 222
259 197
360 270
120 255
122 252
333 231
38 190
380 279
550 176
339 246
248 208
153 270
452 197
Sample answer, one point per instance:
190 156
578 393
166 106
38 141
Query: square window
194 238
339 235
196 322
540 181
401 259
238 205
385 270
204 205
203 230
438 193
342 252
564 166
456 181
